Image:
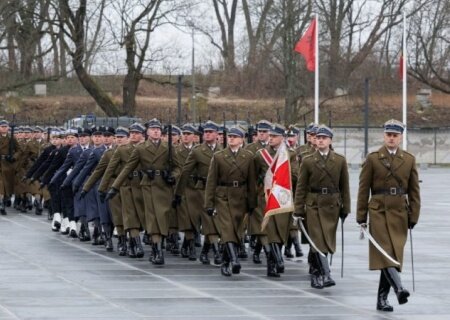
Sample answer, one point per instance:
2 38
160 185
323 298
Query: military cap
96 131
394 126
235 131
109 131
311 128
4 122
211 126
323 130
263 125
137 127
293 131
72 132
19 129
38 129
187 128
85 132
176 130
277 130
153 123
27 129
221 129
121 132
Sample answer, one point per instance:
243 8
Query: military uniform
392 182
322 195
230 191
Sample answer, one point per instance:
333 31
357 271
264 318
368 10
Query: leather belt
234 184
389 192
324 190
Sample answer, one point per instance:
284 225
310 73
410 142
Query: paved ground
44 275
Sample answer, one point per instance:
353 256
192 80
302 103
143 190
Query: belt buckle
324 190
157 172
393 191
235 184
135 173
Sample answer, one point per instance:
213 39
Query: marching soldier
322 196
230 193
310 146
390 177
9 151
130 194
196 167
161 169
254 229
189 214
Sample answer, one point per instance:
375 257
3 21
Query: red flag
278 185
306 46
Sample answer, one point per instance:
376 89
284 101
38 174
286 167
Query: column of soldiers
156 186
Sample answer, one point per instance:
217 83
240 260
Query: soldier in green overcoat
322 196
230 194
389 175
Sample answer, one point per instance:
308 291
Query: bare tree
429 58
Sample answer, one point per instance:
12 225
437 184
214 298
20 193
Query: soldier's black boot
297 247
204 253
16 203
184 249
225 266
138 247
234 260
123 245
96 236
175 244
393 278
198 239
29 201
84 234
23 205
49 210
131 248
108 237
217 255
242 250
278 257
257 252
253 241
159 255
192 253
7 201
2 208
146 239
271 267
383 291
287 248
314 270
38 207
325 271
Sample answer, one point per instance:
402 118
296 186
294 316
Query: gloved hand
411 225
176 201
10 158
111 194
102 196
75 188
83 194
210 211
343 216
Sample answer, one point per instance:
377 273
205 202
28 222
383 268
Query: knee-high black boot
393 277
108 237
235 265
315 270
159 254
278 257
192 251
383 291
216 251
138 247
257 252
225 266
271 267
184 248
325 271
204 253
287 248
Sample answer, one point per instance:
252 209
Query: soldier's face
71 140
120 140
135 137
187 138
4 129
313 139
234 141
210 136
275 140
220 138
154 133
97 139
263 135
84 140
175 138
292 140
323 143
108 140
392 140
56 141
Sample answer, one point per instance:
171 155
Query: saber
412 259
300 223
376 245
342 242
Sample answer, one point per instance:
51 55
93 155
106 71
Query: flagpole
404 83
316 72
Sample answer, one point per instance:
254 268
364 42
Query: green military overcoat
231 202
322 210
388 214
7 177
